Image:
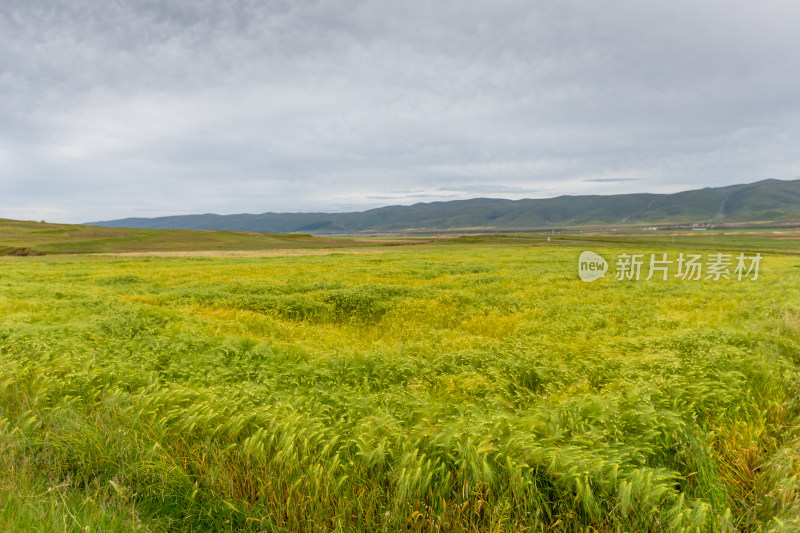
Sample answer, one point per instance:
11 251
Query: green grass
25 238
774 240
475 387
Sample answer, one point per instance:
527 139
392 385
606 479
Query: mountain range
768 200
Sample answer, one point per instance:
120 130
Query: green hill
768 200
37 238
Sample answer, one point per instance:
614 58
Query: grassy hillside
767 200
32 238
21 238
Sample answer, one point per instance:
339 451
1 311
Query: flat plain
472 385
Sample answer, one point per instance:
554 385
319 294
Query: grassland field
469 385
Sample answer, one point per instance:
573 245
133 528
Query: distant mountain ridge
768 200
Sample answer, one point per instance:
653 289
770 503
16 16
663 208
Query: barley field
475 389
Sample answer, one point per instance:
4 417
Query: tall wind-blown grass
459 390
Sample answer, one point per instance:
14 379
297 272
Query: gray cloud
609 180
113 109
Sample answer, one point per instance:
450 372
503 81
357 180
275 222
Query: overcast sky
111 109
